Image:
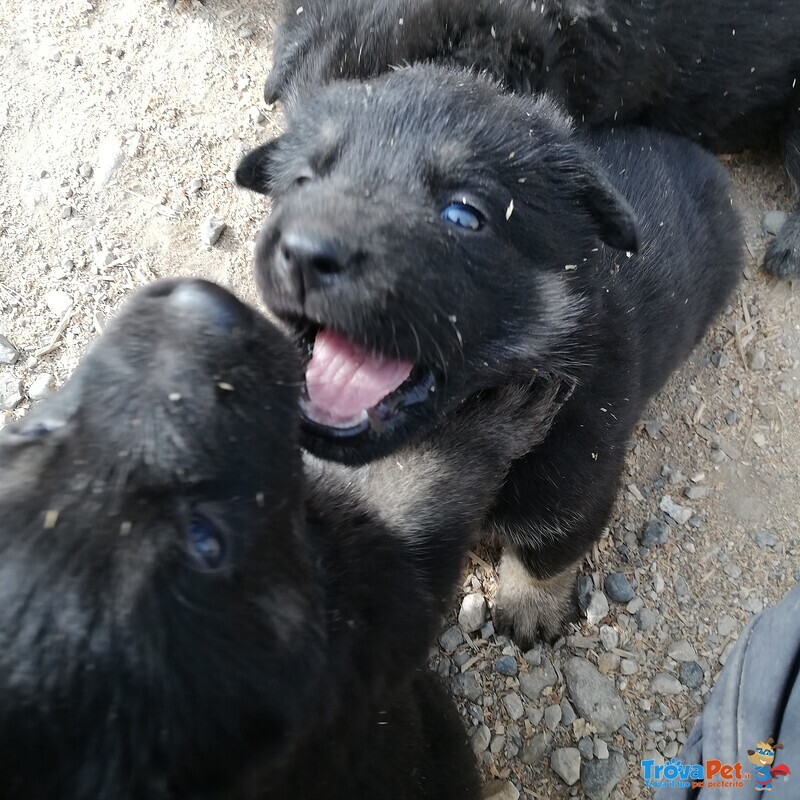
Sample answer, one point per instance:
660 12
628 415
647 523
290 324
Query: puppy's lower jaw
530 608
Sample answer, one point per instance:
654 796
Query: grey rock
637 604
451 639
586 748
599 777
245 33
10 392
696 492
487 630
466 685
681 587
691 674
682 651
628 667
568 715
110 155
537 749
8 353
727 625
600 748
594 696
670 749
679 513
566 763
655 533
598 608
533 682
41 386
506 665
534 655
618 587
609 637
473 612
761 538
480 739
758 360
498 743
646 619
514 707
211 229
58 302
773 222
85 170
585 587
535 715
552 716
500 790
664 683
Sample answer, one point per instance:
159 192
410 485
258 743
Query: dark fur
130 669
534 296
722 72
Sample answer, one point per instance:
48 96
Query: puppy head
429 239
155 595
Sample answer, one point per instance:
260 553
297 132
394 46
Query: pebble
245 33
85 170
682 651
646 619
731 417
472 614
635 605
758 360
585 589
608 663
41 386
534 655
594 696
680 514
256 115
599 777
697 492
727 625
10 392
628 667
110 155
211 229
467 685
451 639
566 763
761 538
691 674
598 608
533 682
664 683
58 302
670 749
54 55
498 743
194 186
8 353
568 715
506 665
480 739
552 716
618 587
609 637
67 211
773 222
586 748
656 532
600 748
680 585
513 704
537 749
500 790
487 630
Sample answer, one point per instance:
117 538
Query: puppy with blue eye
433 240
185 616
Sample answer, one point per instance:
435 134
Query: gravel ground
120 124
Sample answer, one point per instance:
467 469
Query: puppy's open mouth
350 390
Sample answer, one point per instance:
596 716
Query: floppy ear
611 212
254 170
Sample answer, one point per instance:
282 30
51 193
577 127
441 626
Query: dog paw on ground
782 259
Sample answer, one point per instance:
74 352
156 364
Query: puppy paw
530 609
783 253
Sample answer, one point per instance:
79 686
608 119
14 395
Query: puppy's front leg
783 254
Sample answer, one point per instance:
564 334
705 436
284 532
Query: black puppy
179 620
433 238
722 72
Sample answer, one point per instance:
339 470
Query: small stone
211 230
537 749
110 155
256 116
681 651
533 682
697 492
731 417
245 33
758 360
506 665
635 605
658 583
664 683
10 392
498 743
480 739
58 302
500 790
628 667
67 211
54 54
568 715
194 186
487 630
727 625
608 663
598 608
473 612
680 514
595 697
535 715
513 704
85 170
586 748
566 763
8 353
585 588
534 655
691 674
600 748
609 637
75 60
600 776
773 222
451 639
466 685
681 586
618 587
552 716
656 532
761 538
720 360
646 619
41 387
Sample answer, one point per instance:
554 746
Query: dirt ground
121 121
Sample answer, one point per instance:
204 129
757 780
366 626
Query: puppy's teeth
319 416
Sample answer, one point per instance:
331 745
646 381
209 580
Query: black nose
208 303
310 261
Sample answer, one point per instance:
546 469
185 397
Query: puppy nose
207 302
311 260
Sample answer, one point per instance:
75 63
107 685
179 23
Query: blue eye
463 215
205 541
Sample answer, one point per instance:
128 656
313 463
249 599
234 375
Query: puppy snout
309 261
211 305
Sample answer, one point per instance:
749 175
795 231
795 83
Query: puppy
722 72
433 239
184 615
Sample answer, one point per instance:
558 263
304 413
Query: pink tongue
343 381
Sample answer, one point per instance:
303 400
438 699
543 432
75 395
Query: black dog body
536 285
723 73
185 616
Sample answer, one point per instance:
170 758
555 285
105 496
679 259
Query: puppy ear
254 170
611 212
